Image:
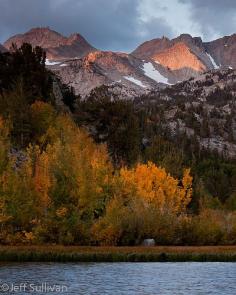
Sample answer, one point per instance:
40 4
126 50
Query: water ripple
125 278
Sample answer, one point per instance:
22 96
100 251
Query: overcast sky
120 24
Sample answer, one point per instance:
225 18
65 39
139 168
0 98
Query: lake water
119 278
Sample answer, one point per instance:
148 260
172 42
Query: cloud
107 24
175 14
155 27
119 24
215 18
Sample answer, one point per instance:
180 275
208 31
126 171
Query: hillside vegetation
103 171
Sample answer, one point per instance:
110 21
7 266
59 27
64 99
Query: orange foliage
154 185
61 212
38 167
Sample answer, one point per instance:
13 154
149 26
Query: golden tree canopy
155 185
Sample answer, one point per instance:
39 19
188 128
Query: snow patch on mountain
213 61
135 81
51 63
154 74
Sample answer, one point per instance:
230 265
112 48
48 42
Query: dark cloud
116 24
214 17
107 24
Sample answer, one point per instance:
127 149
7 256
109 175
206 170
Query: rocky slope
2 48
118 70
223 51
203 109
56 45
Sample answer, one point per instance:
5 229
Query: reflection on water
119 278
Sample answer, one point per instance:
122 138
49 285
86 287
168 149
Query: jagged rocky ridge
152 66
56 46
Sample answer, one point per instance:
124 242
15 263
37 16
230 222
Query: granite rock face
223 50
190 55
113 69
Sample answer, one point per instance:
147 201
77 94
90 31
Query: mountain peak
56 45
76 37
44 31
43 37
165 38
38 29
185 35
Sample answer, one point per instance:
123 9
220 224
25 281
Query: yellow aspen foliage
146 201
106 234
108 229
155 185
3 216
186 191
18 193
28 237
61 212
38 167
42 119
4 144
84 168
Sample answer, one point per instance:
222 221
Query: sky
120 25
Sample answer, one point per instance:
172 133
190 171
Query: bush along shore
117 254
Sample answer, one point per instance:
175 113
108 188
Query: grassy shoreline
51 253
